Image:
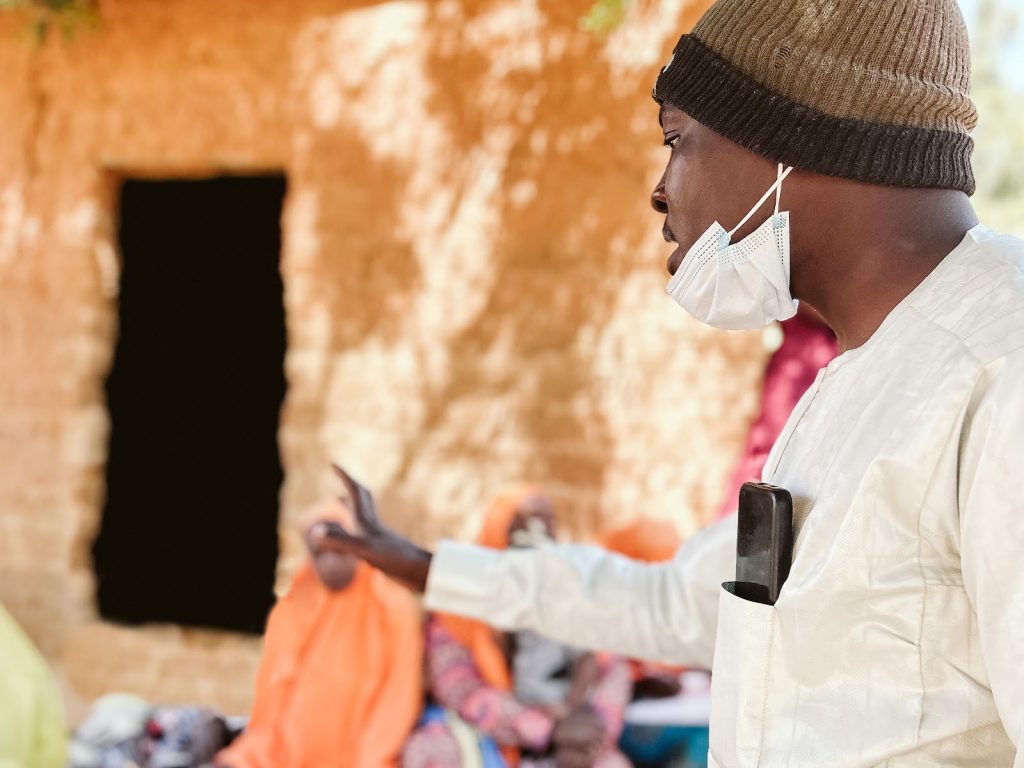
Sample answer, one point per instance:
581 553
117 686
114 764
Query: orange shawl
340 683
646 539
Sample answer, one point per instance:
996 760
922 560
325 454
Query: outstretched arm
590 598
583 596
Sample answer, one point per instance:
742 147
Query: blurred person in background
535 700
340 682
834 140
32 729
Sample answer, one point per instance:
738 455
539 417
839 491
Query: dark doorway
189 531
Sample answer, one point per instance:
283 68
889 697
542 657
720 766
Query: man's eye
671 141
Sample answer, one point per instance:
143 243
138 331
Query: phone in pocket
764 542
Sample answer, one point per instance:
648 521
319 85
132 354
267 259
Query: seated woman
340 683
526 695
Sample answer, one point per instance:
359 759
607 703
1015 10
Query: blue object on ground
664 746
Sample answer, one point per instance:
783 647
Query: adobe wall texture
474 280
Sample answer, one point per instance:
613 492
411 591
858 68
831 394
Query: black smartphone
764 542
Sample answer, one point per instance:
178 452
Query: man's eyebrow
661 116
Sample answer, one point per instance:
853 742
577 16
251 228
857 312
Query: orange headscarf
340 682
644 539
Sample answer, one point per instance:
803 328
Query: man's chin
675 260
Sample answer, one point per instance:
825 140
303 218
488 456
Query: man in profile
820 151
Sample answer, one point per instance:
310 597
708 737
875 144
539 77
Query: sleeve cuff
462 579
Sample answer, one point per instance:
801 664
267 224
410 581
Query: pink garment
807 346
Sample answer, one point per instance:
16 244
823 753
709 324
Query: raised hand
373 542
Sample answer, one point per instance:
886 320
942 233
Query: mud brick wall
473 280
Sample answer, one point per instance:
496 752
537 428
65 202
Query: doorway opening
189 528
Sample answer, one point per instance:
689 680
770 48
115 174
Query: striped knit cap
871 90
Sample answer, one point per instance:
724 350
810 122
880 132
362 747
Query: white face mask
742 285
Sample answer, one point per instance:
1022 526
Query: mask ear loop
778 189
775 188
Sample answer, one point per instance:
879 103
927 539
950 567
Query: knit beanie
871 90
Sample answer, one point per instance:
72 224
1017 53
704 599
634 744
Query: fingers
350 485
328 535
366 510
362 499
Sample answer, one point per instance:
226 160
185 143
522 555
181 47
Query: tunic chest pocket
739 681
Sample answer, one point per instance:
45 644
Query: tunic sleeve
590 598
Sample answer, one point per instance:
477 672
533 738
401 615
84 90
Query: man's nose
659 200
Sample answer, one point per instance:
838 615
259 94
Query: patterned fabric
124 731
445 739
181 737
456 684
